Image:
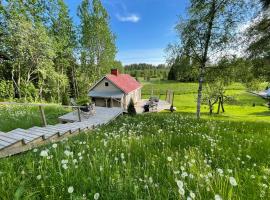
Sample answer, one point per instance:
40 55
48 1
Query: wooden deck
162 105
102 114
20 140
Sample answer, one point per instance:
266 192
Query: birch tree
209 29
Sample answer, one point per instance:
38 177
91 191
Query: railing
41 109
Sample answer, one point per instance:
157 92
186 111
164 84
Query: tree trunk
222 106
210 107
219 103
199 99
208 35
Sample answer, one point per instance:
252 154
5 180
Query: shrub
131 108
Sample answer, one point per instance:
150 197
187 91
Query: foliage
39 48
131 108
183 70
6 89
97 41
174 157
147 71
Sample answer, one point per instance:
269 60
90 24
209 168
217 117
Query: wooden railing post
42 115
79 114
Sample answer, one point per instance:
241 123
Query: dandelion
70 189
220 171
217 197
184 174
96 196
192 194
181 191
54 145
43 153
38 177
64 162
233 181
122 156
169 159
35 150
65 166
179 183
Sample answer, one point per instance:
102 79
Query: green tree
209 27
64 43
97 42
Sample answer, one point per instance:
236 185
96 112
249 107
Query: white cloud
128 18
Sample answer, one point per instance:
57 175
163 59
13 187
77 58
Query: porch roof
115 95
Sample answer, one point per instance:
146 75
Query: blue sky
143 28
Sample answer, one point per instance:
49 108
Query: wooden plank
3 143
22 134
49 134
3 136
61 131
41 109
37 134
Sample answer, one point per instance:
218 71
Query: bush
131 108
65 100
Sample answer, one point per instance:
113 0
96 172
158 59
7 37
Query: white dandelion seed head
218 197
179 183
192 194
54 145
38 177
233 181
43 153
96 196
181 191
169 159
70 189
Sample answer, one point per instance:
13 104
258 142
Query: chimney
115 72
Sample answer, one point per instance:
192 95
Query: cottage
115 90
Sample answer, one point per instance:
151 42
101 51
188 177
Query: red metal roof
124 82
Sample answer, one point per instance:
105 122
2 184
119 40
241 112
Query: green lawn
14 116
241 108
152 156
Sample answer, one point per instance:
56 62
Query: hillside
154 156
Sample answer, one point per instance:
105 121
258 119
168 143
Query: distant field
241 108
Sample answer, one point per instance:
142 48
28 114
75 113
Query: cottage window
106 84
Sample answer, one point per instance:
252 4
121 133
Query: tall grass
13 116
164 156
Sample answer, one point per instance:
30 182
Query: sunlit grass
164 156
12 117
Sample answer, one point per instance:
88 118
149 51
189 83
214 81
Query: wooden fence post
79 114
42 116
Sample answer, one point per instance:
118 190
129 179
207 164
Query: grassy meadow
17 116
239 109
153 156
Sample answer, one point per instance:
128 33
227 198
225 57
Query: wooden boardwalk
20 140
